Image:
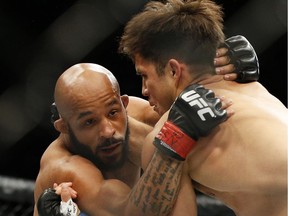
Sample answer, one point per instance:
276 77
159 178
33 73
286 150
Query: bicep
107 197
95 195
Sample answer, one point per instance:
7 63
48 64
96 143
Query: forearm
157 190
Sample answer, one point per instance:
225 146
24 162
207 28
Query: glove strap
69 208
172 141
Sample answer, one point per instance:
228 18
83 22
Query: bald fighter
99 147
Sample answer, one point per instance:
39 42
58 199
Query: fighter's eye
113 113
89 122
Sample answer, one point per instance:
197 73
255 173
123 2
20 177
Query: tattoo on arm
157 190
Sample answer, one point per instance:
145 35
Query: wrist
174 142
69 208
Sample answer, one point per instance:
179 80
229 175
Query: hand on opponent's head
237 60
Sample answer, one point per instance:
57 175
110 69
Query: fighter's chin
114 161
111 163
159 110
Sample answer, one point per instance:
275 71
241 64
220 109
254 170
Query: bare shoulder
54 155
140 110
59 165
65 166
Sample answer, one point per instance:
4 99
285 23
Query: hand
49 203
67 193
65 190
58 201
195 112
237 60
223 66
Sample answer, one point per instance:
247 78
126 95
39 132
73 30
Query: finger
66 184
230 112
230 77
221 61
221 51
226 102
57 188
73 196
72 191
225 69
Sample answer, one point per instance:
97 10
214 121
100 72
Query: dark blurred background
42 38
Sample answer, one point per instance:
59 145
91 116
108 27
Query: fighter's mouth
110 148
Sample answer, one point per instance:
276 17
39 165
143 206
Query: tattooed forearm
158 187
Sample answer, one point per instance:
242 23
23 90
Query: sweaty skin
244 163
59 164
91 108
84 100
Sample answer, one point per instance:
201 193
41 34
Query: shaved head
93 117
79 82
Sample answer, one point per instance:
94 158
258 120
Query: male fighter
139 115
244 163
99 153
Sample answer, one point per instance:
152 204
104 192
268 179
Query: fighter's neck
209 79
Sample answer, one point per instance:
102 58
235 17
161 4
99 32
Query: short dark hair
187 30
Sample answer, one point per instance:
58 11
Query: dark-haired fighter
244 164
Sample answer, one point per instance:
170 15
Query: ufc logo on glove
186 121
194 99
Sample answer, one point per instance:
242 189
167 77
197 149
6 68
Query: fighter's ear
175 67
125 100
175 70
61 126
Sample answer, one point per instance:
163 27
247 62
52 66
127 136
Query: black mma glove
244 58
54 111
194 113
48 203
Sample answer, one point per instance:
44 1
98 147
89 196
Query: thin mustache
109 142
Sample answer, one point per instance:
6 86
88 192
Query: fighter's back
244 162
